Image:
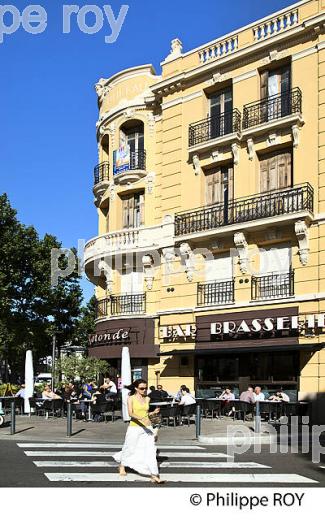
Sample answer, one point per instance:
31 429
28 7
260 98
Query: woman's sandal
155 481
122 473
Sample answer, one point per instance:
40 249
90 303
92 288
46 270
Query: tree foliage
30 308
87 369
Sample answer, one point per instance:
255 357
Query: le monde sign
257 326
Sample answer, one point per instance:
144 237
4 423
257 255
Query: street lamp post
53 360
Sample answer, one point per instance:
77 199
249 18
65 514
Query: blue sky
48 103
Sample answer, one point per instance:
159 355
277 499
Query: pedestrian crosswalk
93 462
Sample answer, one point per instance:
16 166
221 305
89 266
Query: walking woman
139 451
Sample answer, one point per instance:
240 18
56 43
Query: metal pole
13 418
257 427
198 421
69 419
53 360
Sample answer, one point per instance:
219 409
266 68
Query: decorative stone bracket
295 135
147 262
196 164
106 270
187 256
302 234
242 248
250 148
112 190
235 152
168 255
150 181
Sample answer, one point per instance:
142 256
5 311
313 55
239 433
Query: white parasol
126 380
29 380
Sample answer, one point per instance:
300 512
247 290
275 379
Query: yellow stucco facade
201 162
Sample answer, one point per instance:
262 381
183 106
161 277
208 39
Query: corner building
209 261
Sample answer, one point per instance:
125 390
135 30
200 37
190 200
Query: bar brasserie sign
255 326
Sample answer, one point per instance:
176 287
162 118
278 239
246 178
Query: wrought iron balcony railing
273 286
121 304
137 161
245 209
101 172
272 108
214 293
213 127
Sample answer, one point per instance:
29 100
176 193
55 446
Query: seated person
179 394
248 395
227 395
186 398
98 398
258 394
158 395
21 392
109 387
48 394
279 396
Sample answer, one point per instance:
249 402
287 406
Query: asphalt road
87 464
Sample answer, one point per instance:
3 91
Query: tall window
131 281
133 210
276 171
277 81
221 106
219 268
220 185
275 90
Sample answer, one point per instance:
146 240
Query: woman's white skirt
139 451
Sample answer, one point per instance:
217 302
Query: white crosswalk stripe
58 459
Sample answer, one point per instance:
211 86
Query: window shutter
141 203
264 83
284 167
218 187
285 79
230 183
131 211
125 212
209 188
273 173
264 174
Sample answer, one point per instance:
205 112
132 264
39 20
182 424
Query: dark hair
183 387
135 385
152 388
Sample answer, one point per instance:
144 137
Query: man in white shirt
258 394
110 387
186 398
21 392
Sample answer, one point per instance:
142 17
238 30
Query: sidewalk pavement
36 428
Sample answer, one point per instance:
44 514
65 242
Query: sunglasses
142 388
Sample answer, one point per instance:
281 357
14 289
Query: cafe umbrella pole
198 421
13 417
69 419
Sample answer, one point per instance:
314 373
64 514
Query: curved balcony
101 179
121 305
131 240
131 170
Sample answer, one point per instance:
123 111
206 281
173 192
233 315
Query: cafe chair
188 412
213 409
170 412
241 409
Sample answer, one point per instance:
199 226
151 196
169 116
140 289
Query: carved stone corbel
106 270
196 164
150 181
242 248
235 152
272 139
112 190
111 130
216 156
188 257
295 135
250 148
147 262
168 255
302 234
